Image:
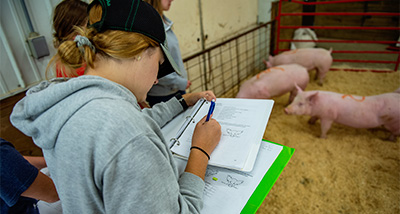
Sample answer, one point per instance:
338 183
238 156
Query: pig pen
352 171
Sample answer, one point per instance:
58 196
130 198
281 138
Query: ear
311 33
312 97
298 88
265 63
269 63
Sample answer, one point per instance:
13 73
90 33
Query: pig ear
265 63
269 62
298 88
312 97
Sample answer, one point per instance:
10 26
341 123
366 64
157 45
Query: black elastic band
181 101
195 147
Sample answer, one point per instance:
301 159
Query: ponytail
91 45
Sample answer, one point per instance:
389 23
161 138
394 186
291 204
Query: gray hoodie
171 83
104 153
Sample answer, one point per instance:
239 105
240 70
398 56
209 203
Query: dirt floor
352 171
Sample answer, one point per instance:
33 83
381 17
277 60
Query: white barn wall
221 19
185 15
225 18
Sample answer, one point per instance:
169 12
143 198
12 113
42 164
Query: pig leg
292 95
392 125
321 73
393 134
312 120
321 79
392 138
316 74
325 126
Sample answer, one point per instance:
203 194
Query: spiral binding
176 140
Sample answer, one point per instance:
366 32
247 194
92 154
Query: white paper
173 129
45 207
243 122
227 191
49 208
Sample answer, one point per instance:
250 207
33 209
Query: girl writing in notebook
104 153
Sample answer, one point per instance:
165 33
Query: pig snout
287 110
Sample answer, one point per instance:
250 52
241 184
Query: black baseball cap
136 16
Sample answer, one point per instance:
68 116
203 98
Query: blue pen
210 111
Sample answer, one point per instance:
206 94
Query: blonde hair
157 5
114 44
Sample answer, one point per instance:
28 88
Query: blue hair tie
81 41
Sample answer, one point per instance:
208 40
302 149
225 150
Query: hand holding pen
206 137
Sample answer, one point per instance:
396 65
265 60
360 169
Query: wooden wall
21 142
392 6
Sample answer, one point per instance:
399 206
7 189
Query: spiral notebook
243 123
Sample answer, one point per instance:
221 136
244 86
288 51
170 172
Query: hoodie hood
47 107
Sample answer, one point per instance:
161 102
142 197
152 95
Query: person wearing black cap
104 153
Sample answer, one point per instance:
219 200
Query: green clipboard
268 180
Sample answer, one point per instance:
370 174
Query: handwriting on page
216 178
231 114
242 123
226 190
233 133
232 181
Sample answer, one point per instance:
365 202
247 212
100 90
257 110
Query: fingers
207 134
203 120
209 95
188 84
211 122
192 98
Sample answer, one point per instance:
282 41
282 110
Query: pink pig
350 110
310 58
275 82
